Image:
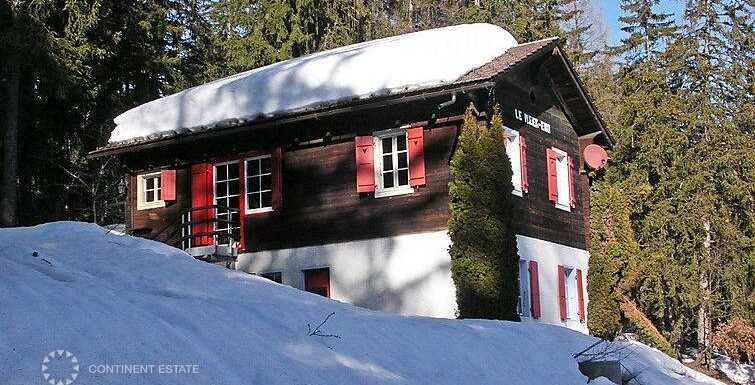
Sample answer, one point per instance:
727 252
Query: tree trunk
704 327
9 186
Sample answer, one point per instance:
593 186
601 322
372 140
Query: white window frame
514 153
570 293
141 195
215 194
562 179
377 138
247 209
525 301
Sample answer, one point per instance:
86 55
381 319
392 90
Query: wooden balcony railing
221 241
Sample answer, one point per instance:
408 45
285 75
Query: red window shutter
277 161
561 293
365 164
523 163
580 297
534 290
201 195
168 185
415 137
552 175
572 196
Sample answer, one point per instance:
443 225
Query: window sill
563 207
393 192
518 193
150 205
259 211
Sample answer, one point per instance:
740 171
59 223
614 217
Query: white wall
548 256
409 274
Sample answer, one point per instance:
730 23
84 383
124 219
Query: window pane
233 188
233 171
159 181
403 159
275 277
401 142
403 177
251 167
150 196
254 200
267 165
387 145
221 189
159 194
388 180
150 183
221 173
387 162
266 182
267 199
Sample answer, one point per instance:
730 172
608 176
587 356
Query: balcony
210 233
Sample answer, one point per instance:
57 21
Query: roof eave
243 125
600 123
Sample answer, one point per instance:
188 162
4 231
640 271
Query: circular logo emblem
60 367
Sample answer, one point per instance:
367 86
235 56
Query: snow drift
378 67
114 301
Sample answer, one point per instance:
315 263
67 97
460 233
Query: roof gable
567 85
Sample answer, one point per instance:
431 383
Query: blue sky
611 13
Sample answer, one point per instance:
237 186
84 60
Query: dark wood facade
320 203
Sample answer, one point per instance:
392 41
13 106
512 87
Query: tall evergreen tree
579 32
681 148
647 30
484 261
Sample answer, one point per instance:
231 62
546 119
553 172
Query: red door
317 281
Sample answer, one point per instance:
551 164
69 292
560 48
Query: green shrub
484 261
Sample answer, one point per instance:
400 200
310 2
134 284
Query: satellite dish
595 156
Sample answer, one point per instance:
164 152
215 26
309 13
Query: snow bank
395 64
114 301
737 372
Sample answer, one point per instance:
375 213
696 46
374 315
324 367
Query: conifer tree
484 261
579 32
681 149
612 246
646 29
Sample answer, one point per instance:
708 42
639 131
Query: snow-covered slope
112 299
400 63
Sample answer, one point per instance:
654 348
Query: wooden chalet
349 199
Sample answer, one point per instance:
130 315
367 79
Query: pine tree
582 40
719 223
484 261
681 149
647 30
612 246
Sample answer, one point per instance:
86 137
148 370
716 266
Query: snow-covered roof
396 64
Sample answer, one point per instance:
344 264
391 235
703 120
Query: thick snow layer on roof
112 299
395 64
